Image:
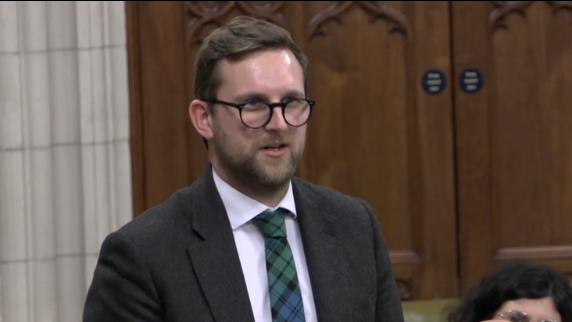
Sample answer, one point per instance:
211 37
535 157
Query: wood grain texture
460 182
376 134
514 158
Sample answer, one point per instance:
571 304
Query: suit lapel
214 256
327 269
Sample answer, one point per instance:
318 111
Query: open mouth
275 147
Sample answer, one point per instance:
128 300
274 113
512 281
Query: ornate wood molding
404 257
374 9
201 13
504 8
533 253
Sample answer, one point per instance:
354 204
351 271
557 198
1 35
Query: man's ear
198 112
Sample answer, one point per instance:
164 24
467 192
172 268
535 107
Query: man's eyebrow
295 94
251 95
263 97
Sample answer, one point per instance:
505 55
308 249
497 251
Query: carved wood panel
513 151
498 160
204 13
373 127
374 9
504 8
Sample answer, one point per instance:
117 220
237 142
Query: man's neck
269 196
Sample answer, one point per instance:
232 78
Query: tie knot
271 223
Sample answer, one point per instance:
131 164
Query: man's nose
277 122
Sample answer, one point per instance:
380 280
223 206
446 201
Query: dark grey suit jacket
178 262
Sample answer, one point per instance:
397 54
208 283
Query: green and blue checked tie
285 296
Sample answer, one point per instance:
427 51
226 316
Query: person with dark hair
517 292
248 241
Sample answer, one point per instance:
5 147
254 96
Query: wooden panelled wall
453 119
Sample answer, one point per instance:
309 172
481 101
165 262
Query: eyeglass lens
255 114
518 316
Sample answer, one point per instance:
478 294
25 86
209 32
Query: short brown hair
239 37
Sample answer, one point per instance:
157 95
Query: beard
252 169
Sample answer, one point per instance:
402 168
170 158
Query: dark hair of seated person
510 282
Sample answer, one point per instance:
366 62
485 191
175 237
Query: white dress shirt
250 245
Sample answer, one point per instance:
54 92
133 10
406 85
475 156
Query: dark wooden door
377 133
514 136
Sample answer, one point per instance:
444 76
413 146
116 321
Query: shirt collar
241 208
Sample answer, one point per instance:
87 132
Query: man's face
250 154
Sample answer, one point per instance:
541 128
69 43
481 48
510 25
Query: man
247 241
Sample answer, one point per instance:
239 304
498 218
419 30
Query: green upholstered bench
426 311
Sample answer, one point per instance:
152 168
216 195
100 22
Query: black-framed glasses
256 113
517 316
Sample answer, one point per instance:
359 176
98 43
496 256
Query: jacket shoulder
329 197
160 220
